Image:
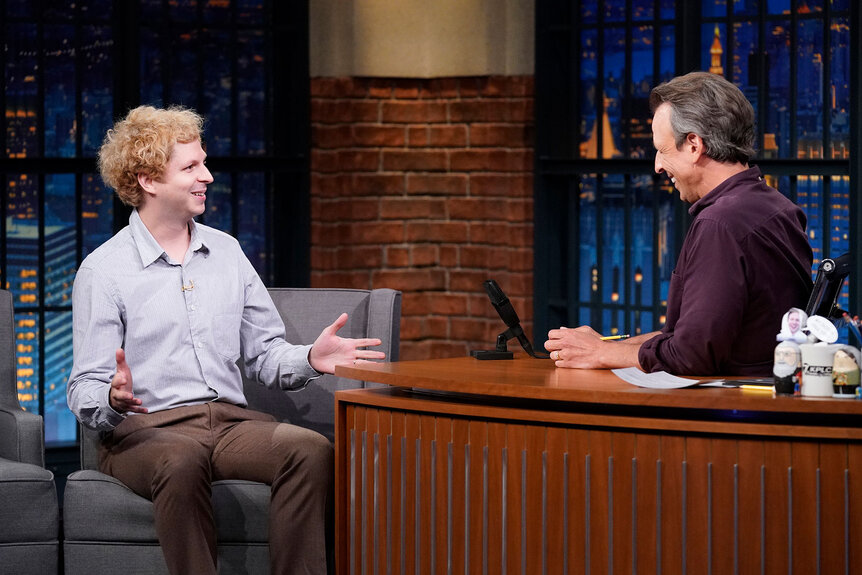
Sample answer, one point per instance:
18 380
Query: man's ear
146 182
694 145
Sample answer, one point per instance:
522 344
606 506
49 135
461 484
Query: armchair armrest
21 437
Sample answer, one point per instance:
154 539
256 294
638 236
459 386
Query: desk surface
539 379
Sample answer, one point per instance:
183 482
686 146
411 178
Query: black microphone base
491 354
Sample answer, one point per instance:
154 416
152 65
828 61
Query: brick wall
426 186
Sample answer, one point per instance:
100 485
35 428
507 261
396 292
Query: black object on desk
507 313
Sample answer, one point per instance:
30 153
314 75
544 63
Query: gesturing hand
121 396
330 349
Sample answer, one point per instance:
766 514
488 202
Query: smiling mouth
200 194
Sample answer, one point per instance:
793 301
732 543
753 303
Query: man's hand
583 348
121 396
330 350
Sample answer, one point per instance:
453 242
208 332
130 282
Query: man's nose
658 167
206 175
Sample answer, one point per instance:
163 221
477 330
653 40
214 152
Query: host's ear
694 145
146 182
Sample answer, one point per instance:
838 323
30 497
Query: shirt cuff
112 417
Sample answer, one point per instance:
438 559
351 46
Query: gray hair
713 108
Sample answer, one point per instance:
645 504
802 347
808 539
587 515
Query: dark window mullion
794 95
826 109
39 311
762 72
79 137
655 187
573 272
826 215
3 127
627 302
234 121
825 137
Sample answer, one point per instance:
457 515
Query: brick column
426 186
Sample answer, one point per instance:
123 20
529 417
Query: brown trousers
172 457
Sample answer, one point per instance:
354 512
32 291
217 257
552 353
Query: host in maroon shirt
745 260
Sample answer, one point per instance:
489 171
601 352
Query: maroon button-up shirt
745 261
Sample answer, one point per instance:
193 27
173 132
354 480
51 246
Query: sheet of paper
661 379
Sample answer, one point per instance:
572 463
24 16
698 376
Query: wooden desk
519 467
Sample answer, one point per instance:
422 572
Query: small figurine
787 367
845 372
792 326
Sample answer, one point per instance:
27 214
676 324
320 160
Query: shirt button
192 307
200 344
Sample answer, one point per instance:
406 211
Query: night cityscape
59 81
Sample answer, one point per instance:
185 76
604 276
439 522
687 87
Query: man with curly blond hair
165 315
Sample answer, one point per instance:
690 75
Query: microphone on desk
507 313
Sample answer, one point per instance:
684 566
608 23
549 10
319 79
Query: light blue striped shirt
183 326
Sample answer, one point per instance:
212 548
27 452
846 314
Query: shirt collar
149 249
722 189
197 243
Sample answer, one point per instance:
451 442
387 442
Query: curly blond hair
142 143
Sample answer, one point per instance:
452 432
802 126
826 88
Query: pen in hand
615 337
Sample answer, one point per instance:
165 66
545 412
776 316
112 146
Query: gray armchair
29 514
107 526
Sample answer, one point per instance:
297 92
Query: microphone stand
502 350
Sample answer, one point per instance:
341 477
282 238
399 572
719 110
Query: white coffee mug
817 361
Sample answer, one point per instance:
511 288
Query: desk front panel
431 485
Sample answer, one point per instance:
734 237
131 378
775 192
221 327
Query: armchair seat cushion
92 499
29 510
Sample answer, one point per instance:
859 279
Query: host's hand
578 347
121 396
330 350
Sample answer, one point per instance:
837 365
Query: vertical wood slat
347 549
833 463
577 441
410 481
723 458
854 464
534 528
647 527
443 477
600 542
427 443
515 445
621 559
804 503
384 498
766 496
496 449
443 465
776 489
751 505
460 440
358 489
697 511
556 501
672 541
370 484
477 436
398 498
